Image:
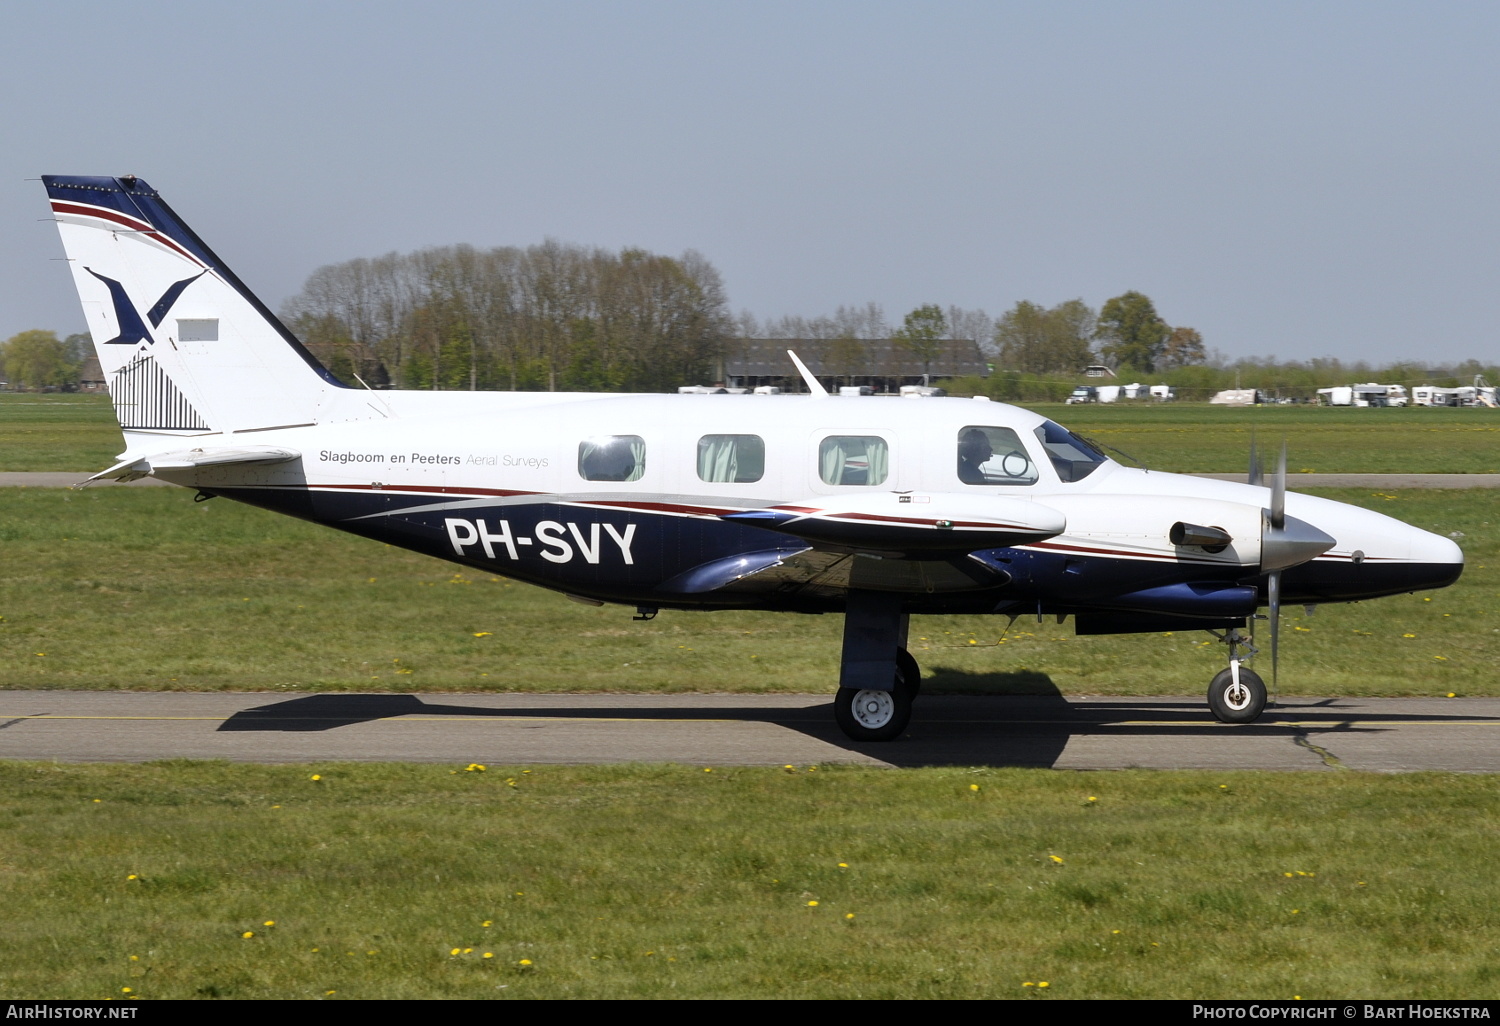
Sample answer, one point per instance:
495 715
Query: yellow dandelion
132 876
126 990
488 954
331 993
135 958
848 915
1043 983
1408 635
524 961
1028 983
843 865
1092 798
1056 858
468 951
973 787
453 952
247 934
1452 695
812 904
316 776
708 769
483 634
485 923
269 922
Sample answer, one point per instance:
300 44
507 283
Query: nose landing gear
1236 694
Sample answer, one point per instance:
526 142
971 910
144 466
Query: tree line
559 316
547 317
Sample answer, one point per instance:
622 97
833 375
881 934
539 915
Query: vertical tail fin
184 346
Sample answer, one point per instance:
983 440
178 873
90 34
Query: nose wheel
1237 695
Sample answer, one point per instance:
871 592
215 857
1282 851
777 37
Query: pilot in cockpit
973 452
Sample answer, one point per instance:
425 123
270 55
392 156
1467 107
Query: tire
908 674
1242 705
872 715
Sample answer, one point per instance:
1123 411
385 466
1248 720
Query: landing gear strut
1236 694
878 678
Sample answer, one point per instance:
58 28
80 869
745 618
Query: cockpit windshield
1074 458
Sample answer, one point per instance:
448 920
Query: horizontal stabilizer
133 467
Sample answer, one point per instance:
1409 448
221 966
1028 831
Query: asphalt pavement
1321 734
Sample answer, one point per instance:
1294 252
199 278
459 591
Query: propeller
1284 542
1277 522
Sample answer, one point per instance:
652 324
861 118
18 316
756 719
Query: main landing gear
878 678
1236 694
865 714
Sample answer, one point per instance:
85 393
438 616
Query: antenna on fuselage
813 385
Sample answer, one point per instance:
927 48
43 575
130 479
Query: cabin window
612 458
853 460
993 456
1074 457
738 459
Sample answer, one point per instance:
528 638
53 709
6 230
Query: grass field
202 880
121 588
41 432
79 433
184 880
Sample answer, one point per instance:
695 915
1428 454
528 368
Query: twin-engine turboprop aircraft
875 508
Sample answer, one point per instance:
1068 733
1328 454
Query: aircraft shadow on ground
963 719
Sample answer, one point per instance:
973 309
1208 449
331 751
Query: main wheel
872 715
908 673
1237 703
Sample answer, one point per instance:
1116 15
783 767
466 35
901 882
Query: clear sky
1292 179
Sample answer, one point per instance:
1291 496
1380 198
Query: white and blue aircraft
876 508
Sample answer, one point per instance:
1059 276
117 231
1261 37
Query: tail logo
132 328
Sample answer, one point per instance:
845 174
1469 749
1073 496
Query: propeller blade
1255 477
1278 492
1286 541
1273 593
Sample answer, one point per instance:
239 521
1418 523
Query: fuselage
622 499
